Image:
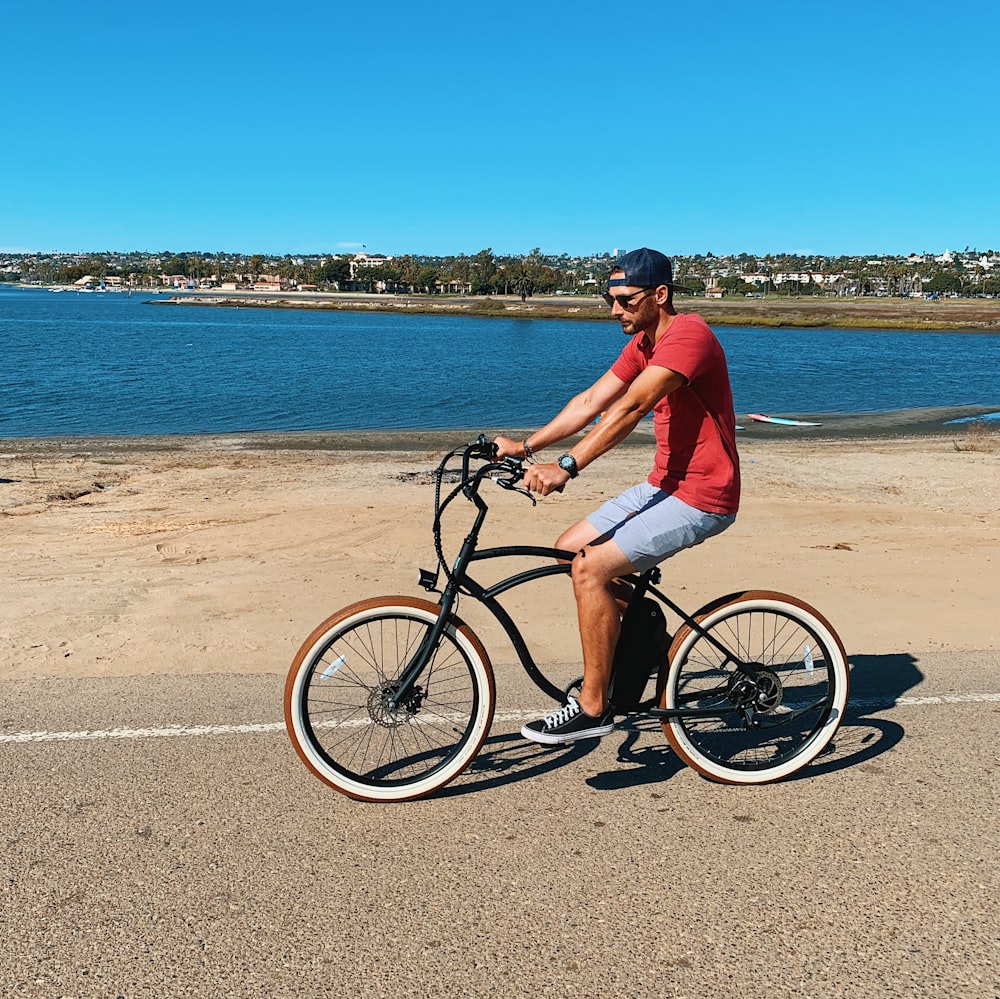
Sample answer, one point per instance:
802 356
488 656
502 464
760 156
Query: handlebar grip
482 448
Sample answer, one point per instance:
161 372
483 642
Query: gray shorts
650 525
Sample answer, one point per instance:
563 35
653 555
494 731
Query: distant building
800 277
367 260
452 287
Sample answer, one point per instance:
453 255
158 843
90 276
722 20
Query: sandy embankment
218 555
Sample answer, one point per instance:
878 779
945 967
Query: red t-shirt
696 456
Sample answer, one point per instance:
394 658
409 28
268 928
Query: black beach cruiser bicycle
392 697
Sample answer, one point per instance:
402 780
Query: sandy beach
209 555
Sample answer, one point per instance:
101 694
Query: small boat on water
780 420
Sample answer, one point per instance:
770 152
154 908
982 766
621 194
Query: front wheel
339 694
763 722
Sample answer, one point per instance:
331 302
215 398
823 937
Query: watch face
568 464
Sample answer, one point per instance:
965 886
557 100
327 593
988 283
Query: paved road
160 838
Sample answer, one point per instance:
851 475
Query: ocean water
110 364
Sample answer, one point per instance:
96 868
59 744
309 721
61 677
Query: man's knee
589 571
576 538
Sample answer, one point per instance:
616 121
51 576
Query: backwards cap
644 268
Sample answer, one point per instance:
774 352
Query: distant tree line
484 273
535 273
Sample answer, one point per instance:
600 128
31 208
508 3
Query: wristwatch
568 464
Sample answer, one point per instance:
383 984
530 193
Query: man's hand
507 448
545 479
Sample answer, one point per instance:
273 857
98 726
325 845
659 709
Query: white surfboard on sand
781 420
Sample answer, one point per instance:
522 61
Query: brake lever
516 473
509 485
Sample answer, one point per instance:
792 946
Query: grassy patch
967 315
980 437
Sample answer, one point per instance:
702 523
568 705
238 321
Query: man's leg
656 527
600 599
629 533
595 573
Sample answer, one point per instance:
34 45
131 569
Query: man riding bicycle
674 367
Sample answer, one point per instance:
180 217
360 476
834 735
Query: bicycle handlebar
506 472
483 450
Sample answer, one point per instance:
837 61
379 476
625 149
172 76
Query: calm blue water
108 364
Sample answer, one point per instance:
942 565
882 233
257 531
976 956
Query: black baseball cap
644 268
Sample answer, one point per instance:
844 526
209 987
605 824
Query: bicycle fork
406 689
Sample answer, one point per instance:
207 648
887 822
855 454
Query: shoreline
916 424
961 315
139 556
914 315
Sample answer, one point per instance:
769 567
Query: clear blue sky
857 127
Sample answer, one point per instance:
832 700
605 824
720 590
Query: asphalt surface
161 838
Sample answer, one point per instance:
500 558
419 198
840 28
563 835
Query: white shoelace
563 714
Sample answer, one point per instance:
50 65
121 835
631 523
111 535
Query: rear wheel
339 692
762 724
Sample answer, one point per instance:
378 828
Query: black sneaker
568 724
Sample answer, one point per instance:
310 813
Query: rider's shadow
647 759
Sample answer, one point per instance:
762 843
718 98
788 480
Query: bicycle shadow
877 683
507 759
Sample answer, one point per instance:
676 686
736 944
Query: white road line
197 731
921 702
179 731
168 732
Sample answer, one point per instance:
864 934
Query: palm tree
523 284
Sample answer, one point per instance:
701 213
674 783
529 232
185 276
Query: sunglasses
627 302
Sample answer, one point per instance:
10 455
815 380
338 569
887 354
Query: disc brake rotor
382 713
759 695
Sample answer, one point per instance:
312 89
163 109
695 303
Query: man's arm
617 423
621 419
571 419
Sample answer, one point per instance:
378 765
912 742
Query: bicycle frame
642 584
460 581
